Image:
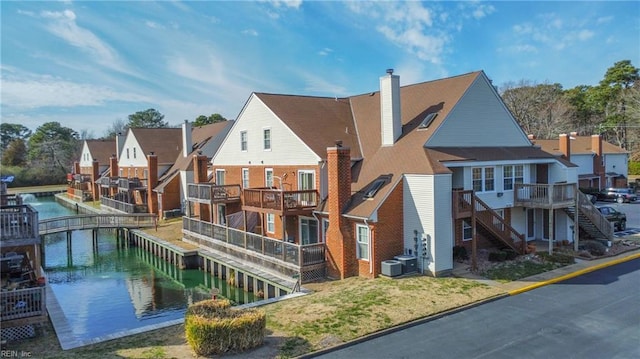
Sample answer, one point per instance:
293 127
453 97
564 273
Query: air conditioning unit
409 263
391 268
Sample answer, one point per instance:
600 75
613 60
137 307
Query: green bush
634 168
497 256
558 257
214 327
460 253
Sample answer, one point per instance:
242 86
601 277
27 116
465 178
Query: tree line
46 155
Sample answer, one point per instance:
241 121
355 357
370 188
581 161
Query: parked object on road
619 219
592 198
619 195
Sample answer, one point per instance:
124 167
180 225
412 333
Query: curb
400 327
574 274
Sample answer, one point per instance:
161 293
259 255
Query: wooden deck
96 221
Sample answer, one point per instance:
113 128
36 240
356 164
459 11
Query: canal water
107 290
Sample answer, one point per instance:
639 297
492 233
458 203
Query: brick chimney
113 166
76 168
598 159
341 249
200 163
391 124
152 182
95 174
187 140
531 136
565 146
120 138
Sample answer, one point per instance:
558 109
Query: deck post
551 230
474 239
576 226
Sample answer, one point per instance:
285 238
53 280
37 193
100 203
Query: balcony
281 202
287 258
18 225
130 184
108 181
549 196
123 206
212 193
10 200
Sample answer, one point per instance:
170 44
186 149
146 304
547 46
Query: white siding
584 163
130 143
617 163
560 173
286 147
428 211
85 158
479 119
186 177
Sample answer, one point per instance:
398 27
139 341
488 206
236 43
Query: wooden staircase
590 221
469 205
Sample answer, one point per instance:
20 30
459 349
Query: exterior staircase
590 220
490 221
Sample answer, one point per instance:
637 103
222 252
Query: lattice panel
18 333
313 274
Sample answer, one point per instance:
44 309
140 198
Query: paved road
596 315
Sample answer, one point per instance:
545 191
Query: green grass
507 272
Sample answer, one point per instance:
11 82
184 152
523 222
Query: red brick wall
388 241
170 196
340 244
113 167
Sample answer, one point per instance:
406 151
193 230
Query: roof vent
338 143
428 120
373 189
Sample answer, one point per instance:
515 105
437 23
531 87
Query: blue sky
86 64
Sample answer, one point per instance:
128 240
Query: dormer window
428 120
374 188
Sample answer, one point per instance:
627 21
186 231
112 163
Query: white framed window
268 177
467 230
121 172
483 179
222 214
308 230
145 173
306 181
135 172
271 223
245 178
127 153
134 152
219 177
266 139
512 175
496 222
243 141
325 228
362 245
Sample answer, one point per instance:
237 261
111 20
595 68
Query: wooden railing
18 222
545 195
465 202
23 303
299 255
107 181
124 206
83 195
10 200
131 183
96 221
274 199
212 193
588 210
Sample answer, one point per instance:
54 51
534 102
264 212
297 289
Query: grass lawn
335 312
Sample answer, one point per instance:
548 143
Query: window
373 189
127 153
268 177
222 214
512 174
427 120
308 230
362 245
483 179
135 171
245 178
467 230
243 140
271 223
134 152
145 174
267 138
219 177
121 172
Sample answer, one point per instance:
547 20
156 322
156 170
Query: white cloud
63 25
153 25
250 32
551 31
295 4
320 85
36 91
604 20
324 52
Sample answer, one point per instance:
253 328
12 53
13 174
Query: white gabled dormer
391 124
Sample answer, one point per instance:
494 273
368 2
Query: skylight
373 189
427 120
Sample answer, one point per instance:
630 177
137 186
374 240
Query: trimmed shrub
510 253
594 247
460 253
558 257
498 256
214 327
